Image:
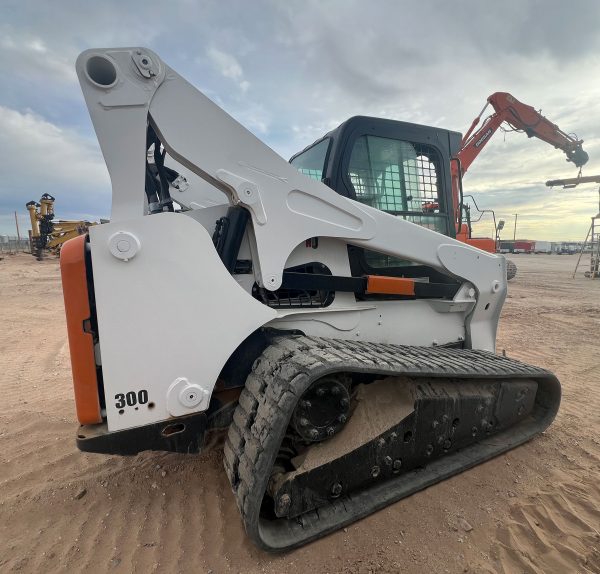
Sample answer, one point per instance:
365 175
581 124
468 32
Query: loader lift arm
520 117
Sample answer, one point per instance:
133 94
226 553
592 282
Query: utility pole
515 232
17 224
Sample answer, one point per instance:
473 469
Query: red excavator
520 117
415 172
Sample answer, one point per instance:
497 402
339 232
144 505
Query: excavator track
441 376
511 269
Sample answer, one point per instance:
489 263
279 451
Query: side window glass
398 177
312 162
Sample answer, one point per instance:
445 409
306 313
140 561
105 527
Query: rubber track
511 269
284 372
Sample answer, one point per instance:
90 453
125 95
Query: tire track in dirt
122 524
557 530
554 534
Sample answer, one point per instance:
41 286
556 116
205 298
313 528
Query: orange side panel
81 344
483 243
390 285
463 234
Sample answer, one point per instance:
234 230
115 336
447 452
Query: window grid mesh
312 173
394 176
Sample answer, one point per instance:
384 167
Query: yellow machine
48 234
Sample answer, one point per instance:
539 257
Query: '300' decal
131 399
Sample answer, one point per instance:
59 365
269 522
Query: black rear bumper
183 434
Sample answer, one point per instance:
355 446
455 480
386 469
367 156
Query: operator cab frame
397 167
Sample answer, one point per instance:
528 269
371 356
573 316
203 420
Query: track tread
284 372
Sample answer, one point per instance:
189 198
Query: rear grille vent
297 298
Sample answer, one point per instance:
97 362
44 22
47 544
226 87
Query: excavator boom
520 117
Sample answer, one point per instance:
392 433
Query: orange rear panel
81 344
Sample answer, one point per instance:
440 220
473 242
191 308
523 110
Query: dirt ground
535 509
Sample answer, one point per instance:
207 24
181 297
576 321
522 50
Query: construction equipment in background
591 243
47 234
40 215
511 267
353 160
521 118
349 353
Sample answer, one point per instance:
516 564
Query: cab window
312 161
398 177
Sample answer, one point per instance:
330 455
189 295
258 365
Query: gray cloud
43 158
290 71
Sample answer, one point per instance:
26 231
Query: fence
10 244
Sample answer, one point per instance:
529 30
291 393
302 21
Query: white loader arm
127 88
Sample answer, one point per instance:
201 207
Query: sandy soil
535 509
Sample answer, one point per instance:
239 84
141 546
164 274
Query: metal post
590 230
17 224
515 232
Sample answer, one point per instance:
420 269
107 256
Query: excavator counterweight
331 323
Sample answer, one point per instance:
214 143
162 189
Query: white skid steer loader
348 347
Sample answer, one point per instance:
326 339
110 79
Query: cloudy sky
291 70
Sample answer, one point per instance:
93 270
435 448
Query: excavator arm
520 117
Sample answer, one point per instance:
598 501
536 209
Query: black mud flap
183 434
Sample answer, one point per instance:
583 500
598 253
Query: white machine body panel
170 314
172 311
